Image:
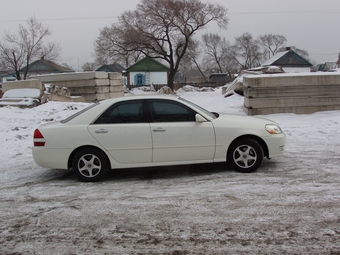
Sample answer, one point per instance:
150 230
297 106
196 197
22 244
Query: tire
90 165
245 155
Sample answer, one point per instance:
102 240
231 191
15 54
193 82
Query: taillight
38 138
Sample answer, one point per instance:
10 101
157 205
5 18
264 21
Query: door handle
159 130
101 131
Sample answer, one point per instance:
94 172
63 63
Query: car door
124 131
176 136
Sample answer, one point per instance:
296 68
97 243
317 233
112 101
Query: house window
139 79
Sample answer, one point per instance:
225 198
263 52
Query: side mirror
199 118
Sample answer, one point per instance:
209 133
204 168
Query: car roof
143 96
92 113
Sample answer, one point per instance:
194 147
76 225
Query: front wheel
245 155
90 165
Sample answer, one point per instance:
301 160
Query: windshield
210 114
78 113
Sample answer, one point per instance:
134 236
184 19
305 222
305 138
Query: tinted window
170 111
125 112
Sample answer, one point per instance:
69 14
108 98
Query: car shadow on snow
165 172
143 173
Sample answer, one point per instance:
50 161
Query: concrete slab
102 96
63 98
116 88
290 102
110 95
296 110
90 97
33 84
113 76
117 94
279 80
89 90
82 83
71 76
292 91
116 82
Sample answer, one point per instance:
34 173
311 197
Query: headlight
273 129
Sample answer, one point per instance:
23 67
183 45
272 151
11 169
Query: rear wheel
90 165
245 155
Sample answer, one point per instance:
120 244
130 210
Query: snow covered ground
291 205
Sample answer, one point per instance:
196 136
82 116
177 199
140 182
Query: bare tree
192 57
88 66
27 46
218 54
161 29
272 43
247 51
214 46
4 65
108 51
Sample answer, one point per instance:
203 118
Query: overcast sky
312 25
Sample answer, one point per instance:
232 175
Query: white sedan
153 130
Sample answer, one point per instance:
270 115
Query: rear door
124 131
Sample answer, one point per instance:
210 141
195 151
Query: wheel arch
75 151
258 139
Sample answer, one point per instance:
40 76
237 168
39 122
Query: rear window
78 113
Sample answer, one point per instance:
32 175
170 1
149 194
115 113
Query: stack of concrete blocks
93 86
291 93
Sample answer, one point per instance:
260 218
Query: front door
176 136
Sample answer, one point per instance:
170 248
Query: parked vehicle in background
153 130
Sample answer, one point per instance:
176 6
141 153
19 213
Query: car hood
241 121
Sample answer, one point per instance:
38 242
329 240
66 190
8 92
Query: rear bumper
51 158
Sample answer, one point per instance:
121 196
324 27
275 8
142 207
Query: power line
231 13
286 12
318 54
60 19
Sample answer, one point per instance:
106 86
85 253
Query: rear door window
124 112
